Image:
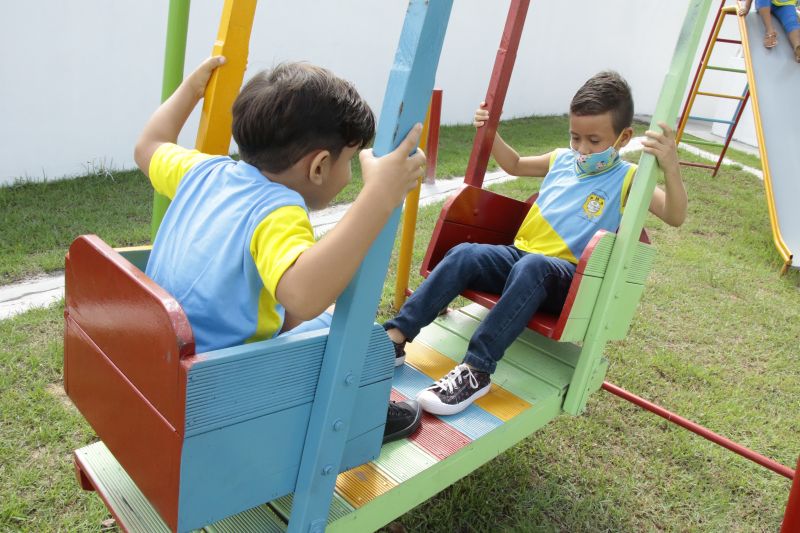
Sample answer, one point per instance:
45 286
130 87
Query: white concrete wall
79 79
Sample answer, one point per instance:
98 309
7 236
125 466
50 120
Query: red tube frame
791 519
703 432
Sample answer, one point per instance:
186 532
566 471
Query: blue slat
405 103
705 119
473 422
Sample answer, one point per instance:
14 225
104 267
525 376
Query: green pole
174 57
641 192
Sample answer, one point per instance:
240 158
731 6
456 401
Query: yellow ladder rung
718 95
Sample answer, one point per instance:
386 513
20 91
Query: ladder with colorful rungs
695 91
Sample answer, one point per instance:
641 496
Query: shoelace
454 377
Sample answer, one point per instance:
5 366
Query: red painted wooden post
496 94
432 146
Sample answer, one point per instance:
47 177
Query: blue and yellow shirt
571 208
225 241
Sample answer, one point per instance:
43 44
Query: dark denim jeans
525 281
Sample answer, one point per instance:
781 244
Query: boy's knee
460 249
532 265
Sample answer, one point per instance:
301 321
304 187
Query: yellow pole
233 42
409 226
777 238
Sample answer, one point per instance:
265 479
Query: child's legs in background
764 8
482 267
535 282
788 17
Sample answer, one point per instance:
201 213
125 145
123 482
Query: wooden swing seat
203 436
478 215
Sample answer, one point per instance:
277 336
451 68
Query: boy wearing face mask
584 190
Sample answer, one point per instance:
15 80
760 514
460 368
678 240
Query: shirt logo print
593 206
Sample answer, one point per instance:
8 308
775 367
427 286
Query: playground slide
774 77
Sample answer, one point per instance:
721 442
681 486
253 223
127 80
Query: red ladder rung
701 165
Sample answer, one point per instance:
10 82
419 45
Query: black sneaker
402 420
399 353
454 392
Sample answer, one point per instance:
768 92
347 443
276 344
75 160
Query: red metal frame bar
690 164
791 519
731 131
432 146
496 94
700 430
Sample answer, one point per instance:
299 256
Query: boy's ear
320 167
627 135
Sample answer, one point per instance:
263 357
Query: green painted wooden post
632 221
174 57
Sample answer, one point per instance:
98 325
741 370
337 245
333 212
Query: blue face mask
596 163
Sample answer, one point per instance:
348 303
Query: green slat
703 143
130 506
261 519
338 509
641 263
727 69
596 266
401 460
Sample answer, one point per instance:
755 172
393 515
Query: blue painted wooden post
410 83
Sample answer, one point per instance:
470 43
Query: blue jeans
526 282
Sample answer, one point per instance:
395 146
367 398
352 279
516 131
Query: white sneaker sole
433 405
399 361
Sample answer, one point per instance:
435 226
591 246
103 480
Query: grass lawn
715 339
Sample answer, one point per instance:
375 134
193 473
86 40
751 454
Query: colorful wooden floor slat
499 402
529 386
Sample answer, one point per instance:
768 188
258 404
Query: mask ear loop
619 138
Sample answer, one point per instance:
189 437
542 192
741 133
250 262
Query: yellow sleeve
278 241
626 186
169 164
553 156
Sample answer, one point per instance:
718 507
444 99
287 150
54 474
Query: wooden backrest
124 342
133 321
474 215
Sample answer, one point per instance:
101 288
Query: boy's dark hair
603 92
283 114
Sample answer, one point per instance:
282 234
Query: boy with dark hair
236 248
584 190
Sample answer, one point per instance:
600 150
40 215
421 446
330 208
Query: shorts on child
787 14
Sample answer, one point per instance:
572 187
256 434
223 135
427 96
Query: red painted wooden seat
482 216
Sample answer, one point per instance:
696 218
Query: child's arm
166 123
668 204
508 158
322 272
745 9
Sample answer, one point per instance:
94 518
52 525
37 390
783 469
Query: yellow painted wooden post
409 227
233 42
